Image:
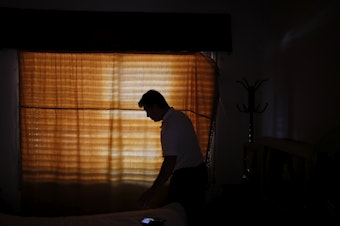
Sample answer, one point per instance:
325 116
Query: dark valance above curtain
114 31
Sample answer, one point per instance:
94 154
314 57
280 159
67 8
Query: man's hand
164 174
145 198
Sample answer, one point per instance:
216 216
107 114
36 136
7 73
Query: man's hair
151 98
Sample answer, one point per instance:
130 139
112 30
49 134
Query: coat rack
250 109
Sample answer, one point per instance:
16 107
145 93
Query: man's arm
164 174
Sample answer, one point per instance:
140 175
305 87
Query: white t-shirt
178 138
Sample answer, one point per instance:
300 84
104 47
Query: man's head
154 104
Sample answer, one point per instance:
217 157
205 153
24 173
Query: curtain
82 132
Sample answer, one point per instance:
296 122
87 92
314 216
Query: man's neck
165 110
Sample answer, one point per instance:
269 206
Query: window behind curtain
80 121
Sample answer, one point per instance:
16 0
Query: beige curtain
82 132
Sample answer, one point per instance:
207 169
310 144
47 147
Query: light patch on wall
325 15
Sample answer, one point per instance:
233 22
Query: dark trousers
188 187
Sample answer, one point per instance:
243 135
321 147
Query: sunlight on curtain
80 121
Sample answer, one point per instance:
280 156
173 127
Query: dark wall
114 31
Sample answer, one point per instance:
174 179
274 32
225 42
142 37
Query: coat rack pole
250 109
